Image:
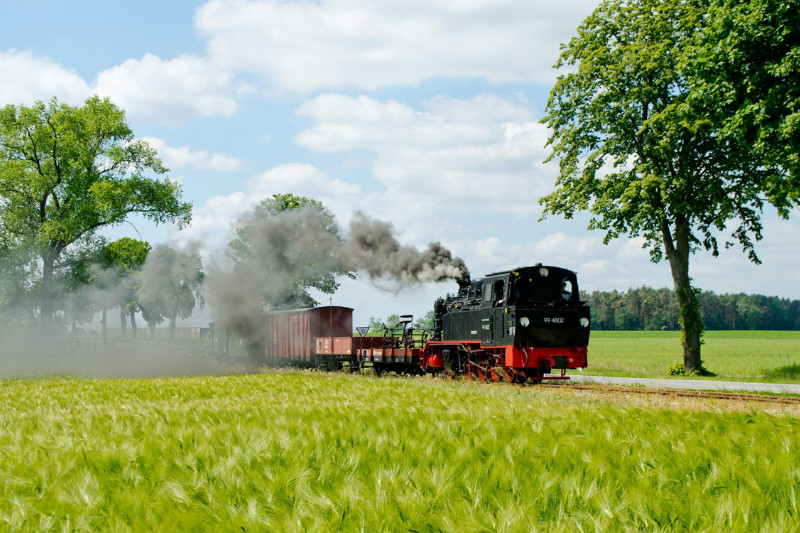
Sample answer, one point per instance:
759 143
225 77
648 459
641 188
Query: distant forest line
657 310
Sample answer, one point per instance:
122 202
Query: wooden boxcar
309 337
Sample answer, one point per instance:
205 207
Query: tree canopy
651 131
746 61
124 259
66 172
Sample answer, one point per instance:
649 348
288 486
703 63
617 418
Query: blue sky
422 113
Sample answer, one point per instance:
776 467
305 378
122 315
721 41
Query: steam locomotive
516 325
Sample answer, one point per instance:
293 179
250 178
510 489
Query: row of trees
651 309
66 173
161 284
657 309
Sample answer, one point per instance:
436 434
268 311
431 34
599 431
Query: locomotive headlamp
524 322
543 272
584 322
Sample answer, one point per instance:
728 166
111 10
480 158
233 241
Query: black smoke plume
275 258
373 248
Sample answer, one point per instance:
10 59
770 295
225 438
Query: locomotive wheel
514 376
495 375
481 375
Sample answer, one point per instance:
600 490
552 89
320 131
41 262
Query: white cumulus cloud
301 179
171 91
306 45
27 77
166 91
309 45
213 220
484 152
565 247
176 158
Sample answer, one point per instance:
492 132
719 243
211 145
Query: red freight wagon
292 336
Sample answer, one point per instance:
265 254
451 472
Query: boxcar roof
307 309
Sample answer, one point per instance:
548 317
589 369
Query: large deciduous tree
66 172
658 133
282 250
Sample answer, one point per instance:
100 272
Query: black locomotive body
519 323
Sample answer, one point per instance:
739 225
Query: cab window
566 289
499 285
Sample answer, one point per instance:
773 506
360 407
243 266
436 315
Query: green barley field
770 356
328 452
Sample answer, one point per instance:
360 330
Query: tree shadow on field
788 372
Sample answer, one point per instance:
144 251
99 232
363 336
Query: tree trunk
133 323
47 308
678 251
122 320
46 297
151 326
103 328
172 328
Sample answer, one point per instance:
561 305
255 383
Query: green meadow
770 356
322 452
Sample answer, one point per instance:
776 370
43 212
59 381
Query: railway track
738 396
